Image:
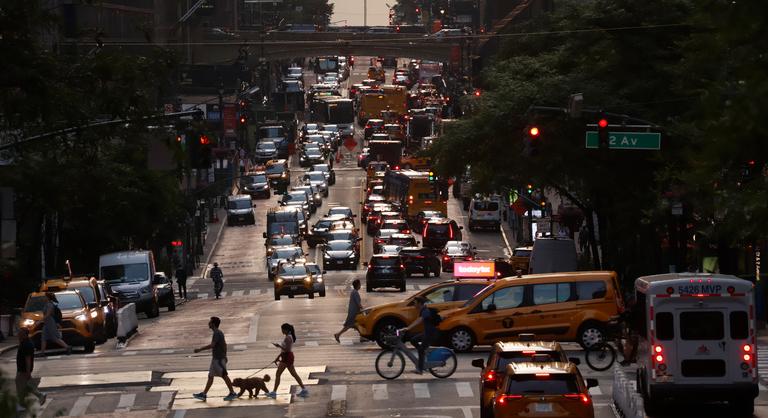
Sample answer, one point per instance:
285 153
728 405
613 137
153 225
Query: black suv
437 232
420 260
385 271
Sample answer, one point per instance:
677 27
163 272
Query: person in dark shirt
424 340
181 280
25 363
218 347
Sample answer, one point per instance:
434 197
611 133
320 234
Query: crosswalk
271 291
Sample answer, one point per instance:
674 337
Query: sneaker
200 396
304 393
231 397
336 336
272 395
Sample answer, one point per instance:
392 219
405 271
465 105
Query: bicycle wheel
448 367
390 364
600 356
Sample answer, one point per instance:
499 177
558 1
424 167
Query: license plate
543 407
338 262
294 287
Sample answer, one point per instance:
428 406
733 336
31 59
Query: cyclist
423 341
217 276
631 324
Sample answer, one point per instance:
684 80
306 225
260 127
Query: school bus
414 192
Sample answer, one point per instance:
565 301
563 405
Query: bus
337 111
396 98
371 105
696 340
414 192
326 65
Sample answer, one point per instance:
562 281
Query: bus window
739 325
707 325
665 329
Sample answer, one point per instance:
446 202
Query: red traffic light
602 123
243 120
478 92
204 140
418 10
178 138
176 243
533 131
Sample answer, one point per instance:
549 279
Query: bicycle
601 355
390 363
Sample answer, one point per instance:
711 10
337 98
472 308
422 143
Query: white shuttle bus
697 340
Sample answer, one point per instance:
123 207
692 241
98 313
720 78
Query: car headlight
28 322
319 279
94 314
352 255
106 309
326 255
81 317
308 279
279 280
317 196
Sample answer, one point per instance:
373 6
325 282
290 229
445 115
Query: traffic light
478 93
243 120
529 189
533 132
432 177
531 141
206 152
603 136
418 11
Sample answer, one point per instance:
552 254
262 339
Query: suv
437 232
240 210
376 322
317 278
504 353
279 175
385 271
255 185
546 388
77 325
164 286
317 179
317 234
293 278
89 290
420 260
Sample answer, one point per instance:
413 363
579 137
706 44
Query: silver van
130 275
240 210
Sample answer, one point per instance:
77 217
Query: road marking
241 347
595 391
380 392
126 402
165 401
80 406
180 413
421 390
202 296
347 342
253 329
311 344
53 357
131 353
167 351
238 293
339 393
464 389
92 355
339 287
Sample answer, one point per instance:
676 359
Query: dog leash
268 364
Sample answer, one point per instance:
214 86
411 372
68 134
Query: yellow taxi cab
378 321
293 278
89 290
77 325
417 163
520 259
377 73
278 173
569 306
508 352
551 390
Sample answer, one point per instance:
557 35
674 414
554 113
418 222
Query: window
485 205
512 357
239 204
556 384
551 293
36 304
739 325
706 325
590 290
665 326
506 298
125 273
441 294
465 292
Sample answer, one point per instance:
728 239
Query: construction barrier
127 322
626 398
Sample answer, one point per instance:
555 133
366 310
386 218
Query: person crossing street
218 367
218 279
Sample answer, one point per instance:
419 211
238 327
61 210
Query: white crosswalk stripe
339 392
380 392
165 401
421 390
464 389
126 401
80 406
238 293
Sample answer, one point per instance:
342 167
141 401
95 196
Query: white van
553 255
697 340
130 275
485 212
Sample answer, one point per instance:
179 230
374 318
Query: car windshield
315 176
522 253
386 233
320 167
553 384
323 223
313 152
275 169
339 246
35 304
292 270
285 240
125 273
340 211
266 146
294 196
341 236
69 301
240 204
87 293
271 132
287 253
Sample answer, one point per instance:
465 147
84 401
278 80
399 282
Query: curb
6 349
204 271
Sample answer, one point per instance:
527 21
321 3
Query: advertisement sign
483 269
230 118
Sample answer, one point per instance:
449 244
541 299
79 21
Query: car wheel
402 287
290 296
322 293
277 296
590 333
368 288
311 295
154 312
172 305
437 272
387 326
462 340
89 346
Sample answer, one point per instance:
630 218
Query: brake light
578 396
503 399
490 376
747 356
424 232
542 374
446 258
529 352
468 258
450 232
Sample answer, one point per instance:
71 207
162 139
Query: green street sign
627 140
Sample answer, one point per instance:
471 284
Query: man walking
181 279
218 347
354 308
218 279
25 363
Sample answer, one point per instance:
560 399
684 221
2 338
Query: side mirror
478 362
574 360
491 308
592 383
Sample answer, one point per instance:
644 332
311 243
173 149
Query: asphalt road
158 372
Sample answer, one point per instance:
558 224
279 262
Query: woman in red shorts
285 360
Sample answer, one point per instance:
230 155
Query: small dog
250 384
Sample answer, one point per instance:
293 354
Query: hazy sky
352 12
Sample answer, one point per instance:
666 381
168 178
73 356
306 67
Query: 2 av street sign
627 140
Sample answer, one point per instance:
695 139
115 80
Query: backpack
57 314
434 317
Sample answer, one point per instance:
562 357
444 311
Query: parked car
164 287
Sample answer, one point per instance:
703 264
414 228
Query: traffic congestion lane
489 243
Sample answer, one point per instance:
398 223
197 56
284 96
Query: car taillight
450 232
424 232
658 357
490 379
578 397
468 258
748 356
446 258
503 399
